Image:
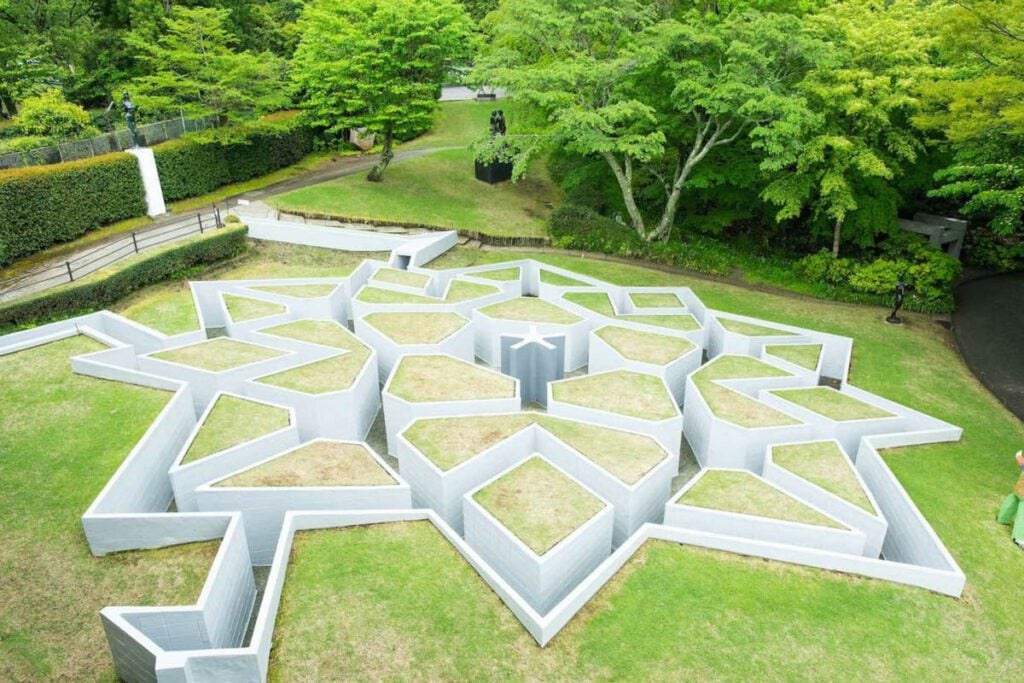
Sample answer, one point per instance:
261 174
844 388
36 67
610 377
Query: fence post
71 276
216 216
200 217
135 243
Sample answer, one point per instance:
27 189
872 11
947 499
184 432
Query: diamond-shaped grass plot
336 373
416 328
243 308
323 332
823 464
436 378
804 355
540 529
232 421
645 347
318 463
218 355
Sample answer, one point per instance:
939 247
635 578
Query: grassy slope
61 438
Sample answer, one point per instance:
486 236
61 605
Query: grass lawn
501 275
538 504
458 290
742 492
458 124
595 301
425 379
451 441
401 277
62 436
832 404
299 291
323 332
804 355
242 308
336 373
438 189
619 391
531 310
734 406
822 463
167 308
461 290
752 330
416 328
646 347
320 463
600 303
655 300
232 421
218 355
552 278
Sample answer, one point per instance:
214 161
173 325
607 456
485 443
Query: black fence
149 134
107 254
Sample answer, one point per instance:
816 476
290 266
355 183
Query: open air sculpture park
511 340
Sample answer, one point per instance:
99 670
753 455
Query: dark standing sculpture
129 117
495 171
901 292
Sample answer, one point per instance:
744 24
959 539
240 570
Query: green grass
501 275
532 310
595 301
460 290
401 277
752 330
734 406
646 347
425 379
62 436
804 355
438 189
242 308
655 300
619 391
320 463
538 504
832 404
167 307
600 303
458 124
336 373
232 421
742 492
416 328
298 291
323 332
822 463
218 355
553 278
376 295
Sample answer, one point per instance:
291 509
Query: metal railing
149 134
107 254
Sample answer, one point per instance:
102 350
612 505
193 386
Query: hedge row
43 205
99 293
200 163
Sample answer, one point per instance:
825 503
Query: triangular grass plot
832 404
315 291
401 277
743 493
242 308
218 355
323 332
551 278
416 328
655 300
645 347
734 406
427 379
460 290
823 464
336 373
752 330
804 355
532 310
620 391
320 463
538 504
233 421
500 275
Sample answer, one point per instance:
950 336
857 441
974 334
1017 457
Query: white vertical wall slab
150 180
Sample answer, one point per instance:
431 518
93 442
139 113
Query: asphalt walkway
989 327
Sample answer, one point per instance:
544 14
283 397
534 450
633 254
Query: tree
377 64
194 67
863 107
50 115
616 80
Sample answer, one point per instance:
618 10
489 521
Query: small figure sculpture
901 292
1012 511
129 117
497 122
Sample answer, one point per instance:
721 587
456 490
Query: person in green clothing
1012 511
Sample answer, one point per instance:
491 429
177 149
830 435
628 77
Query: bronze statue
129 117
497 122
901 291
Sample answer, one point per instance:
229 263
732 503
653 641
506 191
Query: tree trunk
7 101
386 155
625 180
836 232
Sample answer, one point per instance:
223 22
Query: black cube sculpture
494 172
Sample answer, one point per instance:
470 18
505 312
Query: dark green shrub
44 205
102 292
202 162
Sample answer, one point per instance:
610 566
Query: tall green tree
195 67
863 104
377 64
617 80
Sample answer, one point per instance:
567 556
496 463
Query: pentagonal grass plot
807 356
644 347
540 529
396 334
244 308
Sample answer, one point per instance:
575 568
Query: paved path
989 329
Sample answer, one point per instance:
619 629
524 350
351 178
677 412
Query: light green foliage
194 67
50 115
377 64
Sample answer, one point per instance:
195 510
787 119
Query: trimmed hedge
43 205
99 293
196 164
